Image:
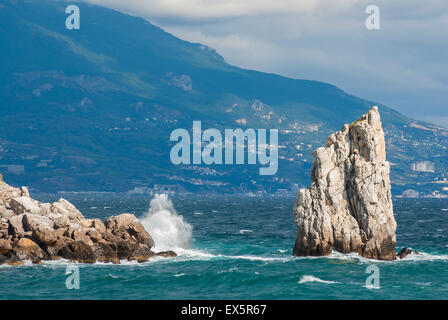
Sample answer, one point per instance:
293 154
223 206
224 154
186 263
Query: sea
235 247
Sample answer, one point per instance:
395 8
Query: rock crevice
348 206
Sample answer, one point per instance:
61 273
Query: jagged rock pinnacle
348 206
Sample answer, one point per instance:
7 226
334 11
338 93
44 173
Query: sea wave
195 254
202 255
422 256
310 278
168 229
243 231
256 258
171 232
356 258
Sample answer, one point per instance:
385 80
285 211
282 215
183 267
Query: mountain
92 110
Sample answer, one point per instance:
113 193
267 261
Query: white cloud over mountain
200 9
403 65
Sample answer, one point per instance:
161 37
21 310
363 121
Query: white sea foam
171 232
356 258
196 254
349 257
193 254
167 228
255 258
179 275
189 254
422 256
243 231
423 284
309 278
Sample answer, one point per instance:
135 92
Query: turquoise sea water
240 248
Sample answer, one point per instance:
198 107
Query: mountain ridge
96 105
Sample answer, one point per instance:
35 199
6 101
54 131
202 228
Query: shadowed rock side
348 206
35 231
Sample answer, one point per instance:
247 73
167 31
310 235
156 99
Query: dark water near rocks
240 248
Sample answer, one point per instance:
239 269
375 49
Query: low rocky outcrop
348 206
406 252
36 231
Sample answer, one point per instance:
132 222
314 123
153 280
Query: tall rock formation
348 206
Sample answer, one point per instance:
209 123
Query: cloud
200 9
403 64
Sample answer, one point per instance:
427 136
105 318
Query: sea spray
167 228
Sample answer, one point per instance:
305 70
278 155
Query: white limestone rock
348 206
65 208
23 205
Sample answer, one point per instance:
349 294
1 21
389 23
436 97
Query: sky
403 64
